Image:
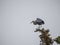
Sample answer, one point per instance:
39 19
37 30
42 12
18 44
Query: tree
45 36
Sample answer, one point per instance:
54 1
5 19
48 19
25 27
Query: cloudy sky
16 15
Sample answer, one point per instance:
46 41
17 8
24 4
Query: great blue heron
38 21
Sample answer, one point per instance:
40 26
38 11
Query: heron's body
38 22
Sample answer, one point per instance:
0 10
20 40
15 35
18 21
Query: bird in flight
38 21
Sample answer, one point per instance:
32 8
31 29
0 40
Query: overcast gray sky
16 15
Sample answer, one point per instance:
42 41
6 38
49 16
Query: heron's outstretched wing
40 20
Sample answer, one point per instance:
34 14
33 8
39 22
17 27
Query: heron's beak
31 22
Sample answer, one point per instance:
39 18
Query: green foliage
57 40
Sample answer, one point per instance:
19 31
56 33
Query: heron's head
34 22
